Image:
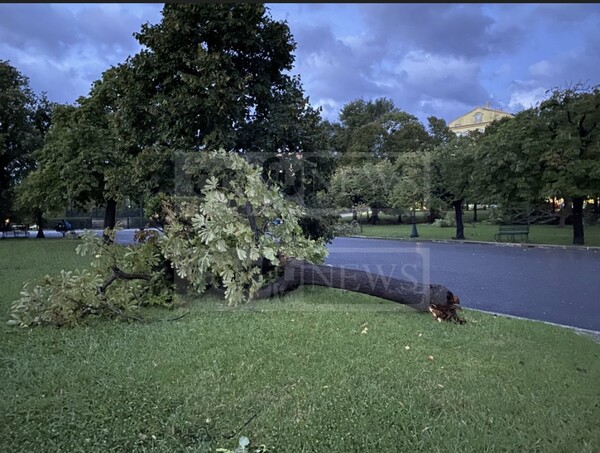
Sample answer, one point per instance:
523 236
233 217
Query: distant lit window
478 117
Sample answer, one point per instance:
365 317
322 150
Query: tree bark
474 212
39 218
432 215
430 297
460 228
110 217
578 238
564 213
374 216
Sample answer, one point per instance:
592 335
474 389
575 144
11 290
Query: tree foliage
119 281
24 118
552 150
509 164
376 130
364 184
235 236
439 176
239 221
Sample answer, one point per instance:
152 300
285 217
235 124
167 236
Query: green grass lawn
538 234
294 374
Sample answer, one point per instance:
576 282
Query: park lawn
295 374
538 234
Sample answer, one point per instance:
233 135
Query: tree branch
118 274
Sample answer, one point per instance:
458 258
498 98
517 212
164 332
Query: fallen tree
241 236
437 299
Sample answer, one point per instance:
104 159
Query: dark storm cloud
41 27
445 29
426 57
63 48
566 14
333 68
567 66
55 30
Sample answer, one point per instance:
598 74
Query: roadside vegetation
482 230
318 370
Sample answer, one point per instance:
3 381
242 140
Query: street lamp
414 233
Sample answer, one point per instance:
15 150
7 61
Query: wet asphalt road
547 284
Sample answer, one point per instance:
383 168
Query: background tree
368 184
375 130
77 162
509 166
413 179
453 167
572 156
439 134
438 177
369 140
24 118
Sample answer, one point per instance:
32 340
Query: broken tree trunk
437 299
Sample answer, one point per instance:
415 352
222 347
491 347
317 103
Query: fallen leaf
365 330
407 347
429 357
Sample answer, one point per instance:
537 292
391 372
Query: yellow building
476 119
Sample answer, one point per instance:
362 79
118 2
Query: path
548 284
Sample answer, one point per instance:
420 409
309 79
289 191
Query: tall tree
374 130
549 151
217 76
438 176
509 165
572 159
23 122
79 162
439 132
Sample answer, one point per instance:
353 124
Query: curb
498 244
595 334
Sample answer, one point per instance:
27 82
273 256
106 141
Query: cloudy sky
431 59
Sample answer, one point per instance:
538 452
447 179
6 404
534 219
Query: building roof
495 114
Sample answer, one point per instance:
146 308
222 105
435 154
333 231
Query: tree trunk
432 215
564 213
39 218
460 228
431 297
110 217
474 212
400 218
374 216
578 220
354 214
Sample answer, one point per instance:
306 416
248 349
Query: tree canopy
24 118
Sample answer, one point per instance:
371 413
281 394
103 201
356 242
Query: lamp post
414 233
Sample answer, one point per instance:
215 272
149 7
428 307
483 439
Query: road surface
547 284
